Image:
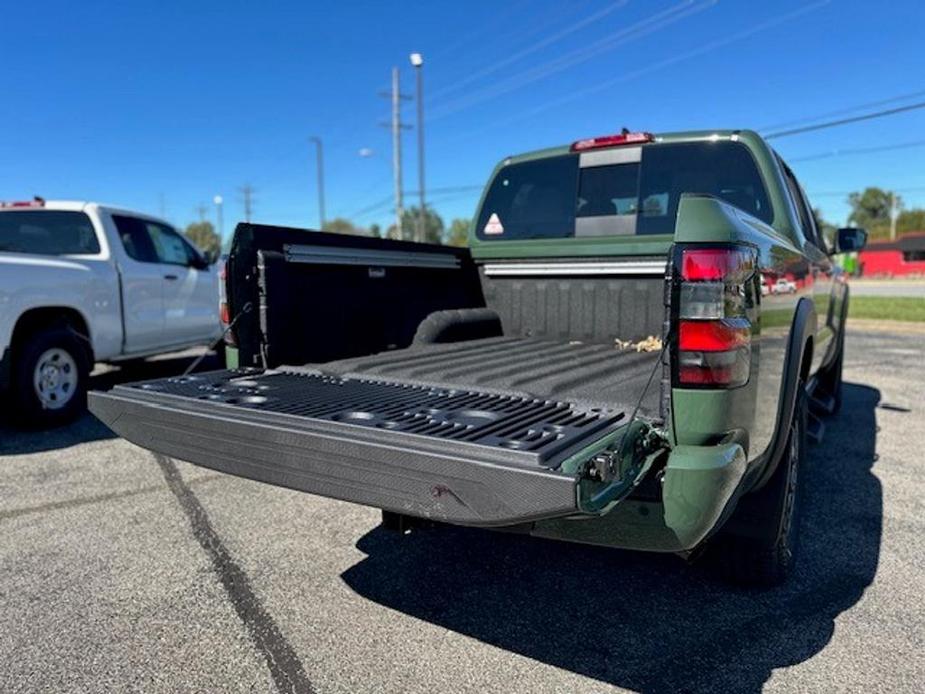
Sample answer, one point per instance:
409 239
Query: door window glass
135 239
170 248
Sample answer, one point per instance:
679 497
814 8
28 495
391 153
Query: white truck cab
82 282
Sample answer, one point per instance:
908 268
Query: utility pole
417 61
247 193
893 211
319 160
396 125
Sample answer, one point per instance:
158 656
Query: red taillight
224 313
612 141
713 337
705 264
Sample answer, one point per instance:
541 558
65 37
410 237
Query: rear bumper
700 488
383 469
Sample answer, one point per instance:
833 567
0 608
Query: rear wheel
762 548
831 380
50 378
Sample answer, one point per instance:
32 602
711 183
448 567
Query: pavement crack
285 667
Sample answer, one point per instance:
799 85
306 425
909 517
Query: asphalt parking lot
122 570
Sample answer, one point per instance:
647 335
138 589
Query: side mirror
200 261
211 256
850 239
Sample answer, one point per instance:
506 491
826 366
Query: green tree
339 225
871 210
433 226
203 235
458 233
375 231
910 220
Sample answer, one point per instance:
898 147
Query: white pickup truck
82 283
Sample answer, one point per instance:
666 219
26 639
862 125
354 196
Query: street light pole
417 60
893 211
319 160
219 218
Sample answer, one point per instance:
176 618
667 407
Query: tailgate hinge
611 474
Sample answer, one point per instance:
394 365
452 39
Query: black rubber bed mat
533 431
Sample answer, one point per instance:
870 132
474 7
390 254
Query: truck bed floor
589 375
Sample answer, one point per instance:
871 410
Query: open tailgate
461 456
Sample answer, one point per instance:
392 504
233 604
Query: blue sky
169 103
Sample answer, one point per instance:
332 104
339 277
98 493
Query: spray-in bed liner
472 433
586 374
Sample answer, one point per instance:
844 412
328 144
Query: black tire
831 379
35 406
761 549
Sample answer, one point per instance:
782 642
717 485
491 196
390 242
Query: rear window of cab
47 232
617 191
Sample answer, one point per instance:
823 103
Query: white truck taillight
713 336
224 312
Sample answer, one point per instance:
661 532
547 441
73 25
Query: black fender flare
802 332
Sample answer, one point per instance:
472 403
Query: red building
903 257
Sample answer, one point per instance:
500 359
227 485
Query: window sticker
493 225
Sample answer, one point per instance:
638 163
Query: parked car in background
783 286
82 283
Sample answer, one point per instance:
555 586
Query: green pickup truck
605 363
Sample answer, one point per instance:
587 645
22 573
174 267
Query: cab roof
679 136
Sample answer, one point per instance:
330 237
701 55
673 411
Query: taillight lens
224 310
713 337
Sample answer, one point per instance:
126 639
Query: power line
440 191
372 207
643 27
856 150
652 67
846 121
843 111
499 23
532 48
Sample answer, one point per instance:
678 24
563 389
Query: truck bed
413 430
587 375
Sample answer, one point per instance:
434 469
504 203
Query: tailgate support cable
609 465
246 308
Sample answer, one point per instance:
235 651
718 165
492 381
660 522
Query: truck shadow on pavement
87 427
643 621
